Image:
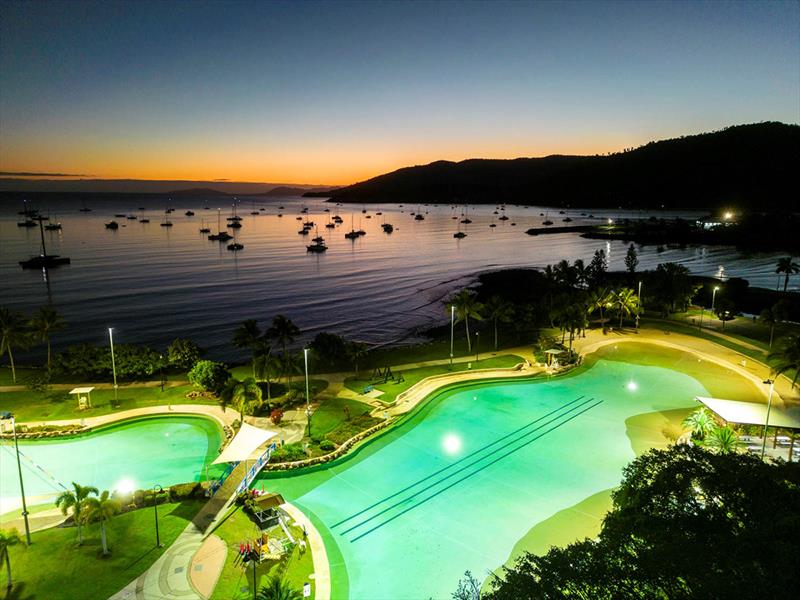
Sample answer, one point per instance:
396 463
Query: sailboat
44 259
459 234
220 236
387 227
166 222
205 228
352 234
142 218
318 245
53 225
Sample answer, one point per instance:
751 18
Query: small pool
138 453
464 479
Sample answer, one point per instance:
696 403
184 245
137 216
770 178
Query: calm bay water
154 283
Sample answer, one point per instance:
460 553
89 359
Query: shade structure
751 413
242 446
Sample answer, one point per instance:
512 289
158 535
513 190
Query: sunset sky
338 92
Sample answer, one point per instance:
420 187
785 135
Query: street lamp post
3 417
113 363
308 404
477 343
638 312
452 323
155 510
161 370
766 422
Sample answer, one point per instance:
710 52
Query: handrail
212 489
254 470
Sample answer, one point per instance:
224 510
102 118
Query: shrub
354 426
289 453
327 445
183 491
276 416
183 354
209 375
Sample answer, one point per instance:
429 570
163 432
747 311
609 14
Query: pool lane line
474 462
460 460
499 458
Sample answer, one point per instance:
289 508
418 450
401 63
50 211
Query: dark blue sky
335 92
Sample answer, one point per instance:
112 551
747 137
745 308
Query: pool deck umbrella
551 354
752 413
244 444
79 392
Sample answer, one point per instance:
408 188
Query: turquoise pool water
140 453
461 481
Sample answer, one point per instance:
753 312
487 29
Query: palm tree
75 500
788 267
467 305
101 509
248 335
355 352
13 334
700 422
626 302
8 538
498 310
45 321
787 358
284 332
770 317
244 396
723 440
278 589
267 367
598 300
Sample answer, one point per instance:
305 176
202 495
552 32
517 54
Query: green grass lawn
331 413
58 404
391 390
235 582
53 567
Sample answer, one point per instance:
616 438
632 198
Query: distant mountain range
747 166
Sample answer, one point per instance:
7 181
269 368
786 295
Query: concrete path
322 572
206 565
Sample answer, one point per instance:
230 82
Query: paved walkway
99 386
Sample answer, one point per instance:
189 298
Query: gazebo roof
82 390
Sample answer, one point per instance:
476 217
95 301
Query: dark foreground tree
686 523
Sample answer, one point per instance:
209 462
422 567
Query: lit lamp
155 510
452 323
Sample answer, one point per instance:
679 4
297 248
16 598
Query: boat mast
41 232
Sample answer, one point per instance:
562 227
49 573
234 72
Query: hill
746 167
197 192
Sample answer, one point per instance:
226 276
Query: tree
469 588
787 358
498 311
209 375
283 331
599 299
626 302
467 305
769 317
700 422
631 259
598 267
248 336
723 440
244 396
13 334
8 538
672 285
75 499
44 322
330 350
788 267
267 368
101 509
725 310
726 524
183 353
355 352
277 589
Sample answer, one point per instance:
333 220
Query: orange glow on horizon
208 161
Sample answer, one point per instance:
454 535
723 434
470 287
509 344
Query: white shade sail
752 413
242 446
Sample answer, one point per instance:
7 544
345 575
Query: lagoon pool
462 480
140 453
